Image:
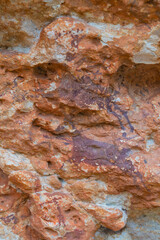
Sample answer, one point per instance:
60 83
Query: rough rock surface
79 119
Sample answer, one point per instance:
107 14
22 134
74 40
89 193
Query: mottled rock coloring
80 120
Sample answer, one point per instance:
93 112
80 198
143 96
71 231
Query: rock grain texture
79 120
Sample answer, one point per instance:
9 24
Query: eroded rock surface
79 120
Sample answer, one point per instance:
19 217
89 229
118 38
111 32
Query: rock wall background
79 120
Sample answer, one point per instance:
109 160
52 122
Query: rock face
80 120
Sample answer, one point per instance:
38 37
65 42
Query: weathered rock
111 218
55 215
26 181
79 119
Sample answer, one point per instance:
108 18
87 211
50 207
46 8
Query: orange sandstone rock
79 120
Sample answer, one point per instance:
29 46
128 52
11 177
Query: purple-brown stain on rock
96 153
